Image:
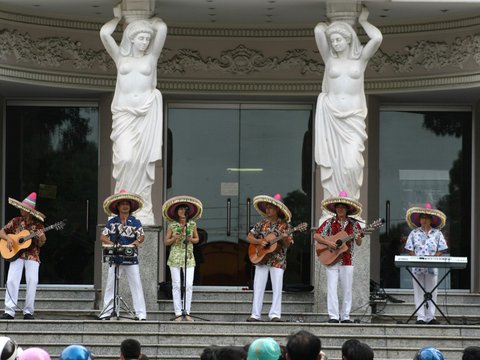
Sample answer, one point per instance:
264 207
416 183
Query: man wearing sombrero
343 207
425 239
181 213
276 220
124 229
31 220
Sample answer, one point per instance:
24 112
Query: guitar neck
289 232
36 233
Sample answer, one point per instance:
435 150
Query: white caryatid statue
341 108
137 118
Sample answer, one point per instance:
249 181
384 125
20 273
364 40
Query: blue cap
264 349
76 352
429 353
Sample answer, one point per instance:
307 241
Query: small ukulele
258 252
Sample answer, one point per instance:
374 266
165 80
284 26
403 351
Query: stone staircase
67 315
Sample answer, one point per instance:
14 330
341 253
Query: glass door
227 154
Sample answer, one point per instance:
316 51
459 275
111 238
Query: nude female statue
341 107
137 106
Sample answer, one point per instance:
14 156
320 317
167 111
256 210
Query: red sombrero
110 203
169 208
261 201
413 216
28 204
353 206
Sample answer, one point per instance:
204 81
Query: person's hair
355 350
426 216
223 353
130 349
303 345
175 211
347 32
471 353
121 201
133 29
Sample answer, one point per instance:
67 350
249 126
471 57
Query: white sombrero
413 216
353 206
28 204
261 201
111 202
169 208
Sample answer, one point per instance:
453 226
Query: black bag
165 290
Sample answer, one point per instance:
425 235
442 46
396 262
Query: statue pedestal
148 260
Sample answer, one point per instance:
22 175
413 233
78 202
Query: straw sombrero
110 203
261 201
28 204
353 206
169 208
413 216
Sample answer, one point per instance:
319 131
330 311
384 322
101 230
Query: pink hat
413 216
260 202
110 203
34 353
28 205
353 206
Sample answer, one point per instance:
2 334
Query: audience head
429 353
76 352
264 349
130 349
223 353
34 353
303 345
355 350
9 350
471 353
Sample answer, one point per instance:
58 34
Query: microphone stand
184 285
117 300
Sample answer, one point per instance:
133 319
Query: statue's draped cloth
137 144
339 138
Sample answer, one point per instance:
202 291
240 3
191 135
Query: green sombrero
413 216
353 206
261 201
169 208
111 202
28 205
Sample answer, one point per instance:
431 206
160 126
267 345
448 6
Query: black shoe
276 319
6 316
28 317
136 318
252 319
347 321
105 317
420 322
433 322
333 321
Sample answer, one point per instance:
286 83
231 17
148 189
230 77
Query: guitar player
276 223
31 220
343 207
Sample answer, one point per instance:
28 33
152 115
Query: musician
343 207
181 213
425 239
276 221
123 229
30 219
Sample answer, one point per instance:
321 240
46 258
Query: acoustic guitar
257 252
328 255
23 240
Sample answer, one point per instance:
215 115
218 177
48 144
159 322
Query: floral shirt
19 224
425 245
124 234
177 249
277 258
332 227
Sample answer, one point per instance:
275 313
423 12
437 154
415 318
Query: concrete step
64 292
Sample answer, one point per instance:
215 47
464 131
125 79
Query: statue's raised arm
341 108
137 118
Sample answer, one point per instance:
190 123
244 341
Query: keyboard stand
427 295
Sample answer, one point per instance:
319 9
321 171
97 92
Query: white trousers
428 281
177 291
345 274
13 285
134 282
259 284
